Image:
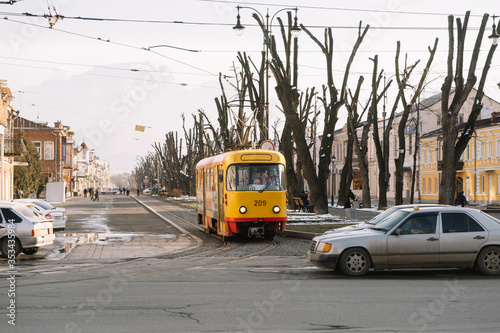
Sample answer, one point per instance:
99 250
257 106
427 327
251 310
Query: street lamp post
494 37
239 29
333 178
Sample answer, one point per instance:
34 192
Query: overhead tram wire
109 76
354 27
114 43
97 66
336 8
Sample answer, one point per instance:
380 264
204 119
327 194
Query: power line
98 66
104 75
335 8
347 27
112 42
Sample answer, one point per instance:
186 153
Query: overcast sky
94 76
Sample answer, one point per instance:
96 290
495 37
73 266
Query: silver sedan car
22 229
427 237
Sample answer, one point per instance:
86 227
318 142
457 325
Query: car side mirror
398 232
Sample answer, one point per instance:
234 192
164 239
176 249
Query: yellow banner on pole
140 128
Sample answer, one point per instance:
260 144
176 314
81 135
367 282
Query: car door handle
432 239
479 237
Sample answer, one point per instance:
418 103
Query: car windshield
389 222
377 219
255 177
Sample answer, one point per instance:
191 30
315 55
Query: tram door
221 192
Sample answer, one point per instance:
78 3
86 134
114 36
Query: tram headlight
276 209
243 209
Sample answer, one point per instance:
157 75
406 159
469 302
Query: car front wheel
488 260
9 249
355 262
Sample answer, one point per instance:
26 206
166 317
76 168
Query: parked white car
23 229
56 214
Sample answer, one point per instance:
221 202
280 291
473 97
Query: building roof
23 123
480 123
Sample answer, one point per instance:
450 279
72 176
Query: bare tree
407 106
360 144
381 148
453 147
287 93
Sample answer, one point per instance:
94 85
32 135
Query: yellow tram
242 193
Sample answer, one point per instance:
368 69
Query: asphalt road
211 286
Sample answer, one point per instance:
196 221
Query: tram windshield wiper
271 179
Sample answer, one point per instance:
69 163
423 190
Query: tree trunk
452 149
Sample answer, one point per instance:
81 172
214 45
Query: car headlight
276 209
243 209
324 247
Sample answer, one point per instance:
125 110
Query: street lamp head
238 28
295 30
494 37
333 158
401 150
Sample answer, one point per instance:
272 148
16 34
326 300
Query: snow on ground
301 218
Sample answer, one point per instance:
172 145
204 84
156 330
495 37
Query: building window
498 148
423 185
430 185
467 153
48 151
490 149
38 147
481 150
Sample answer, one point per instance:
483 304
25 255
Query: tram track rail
228 246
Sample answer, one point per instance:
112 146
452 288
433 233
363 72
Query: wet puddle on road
68 241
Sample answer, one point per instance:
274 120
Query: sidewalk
114 228
137 247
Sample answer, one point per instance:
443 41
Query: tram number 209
259 202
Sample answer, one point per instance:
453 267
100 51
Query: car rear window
489 217
44 205
28 213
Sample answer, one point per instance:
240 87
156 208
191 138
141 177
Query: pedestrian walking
128 192
32 195
138 191
461 200
85 192
96 195
349 200
91 193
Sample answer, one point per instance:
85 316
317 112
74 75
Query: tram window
252 177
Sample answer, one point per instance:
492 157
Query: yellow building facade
478 173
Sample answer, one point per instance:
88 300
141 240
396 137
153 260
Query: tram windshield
256 177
